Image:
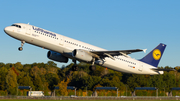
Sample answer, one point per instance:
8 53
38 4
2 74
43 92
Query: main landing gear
74 67
92 67
21 48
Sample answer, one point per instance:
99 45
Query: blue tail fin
155 55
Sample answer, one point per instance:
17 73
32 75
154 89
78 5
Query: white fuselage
65 45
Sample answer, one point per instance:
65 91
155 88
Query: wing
116 53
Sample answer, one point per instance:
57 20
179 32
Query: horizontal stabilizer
157 69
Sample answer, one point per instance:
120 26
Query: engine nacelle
82 55
57 57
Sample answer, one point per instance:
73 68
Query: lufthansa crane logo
156 54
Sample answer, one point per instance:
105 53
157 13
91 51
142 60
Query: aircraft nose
6 30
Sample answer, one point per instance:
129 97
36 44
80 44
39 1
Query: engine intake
57 57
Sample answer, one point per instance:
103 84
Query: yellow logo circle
156 54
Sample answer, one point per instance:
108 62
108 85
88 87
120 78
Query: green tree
38 83
2 64
138 81
3 73
169 80
34 71
11 80
26 68
26 80
52 80
112 82
157 81
18 66
51 64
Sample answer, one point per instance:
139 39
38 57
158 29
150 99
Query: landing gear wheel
20 48
74 68
22 43
92 68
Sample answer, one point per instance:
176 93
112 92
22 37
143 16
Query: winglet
144 50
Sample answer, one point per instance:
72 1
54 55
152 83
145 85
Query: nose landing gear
21 48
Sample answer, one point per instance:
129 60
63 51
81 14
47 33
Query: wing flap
116 53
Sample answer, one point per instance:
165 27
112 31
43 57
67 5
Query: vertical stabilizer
155 55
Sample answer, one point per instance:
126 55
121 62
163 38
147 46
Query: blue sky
109 24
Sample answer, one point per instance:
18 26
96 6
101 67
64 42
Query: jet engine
57 57
82 55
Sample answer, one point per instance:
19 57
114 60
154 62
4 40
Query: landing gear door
61 41
28 29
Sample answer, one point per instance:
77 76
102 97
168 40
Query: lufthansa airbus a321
62 48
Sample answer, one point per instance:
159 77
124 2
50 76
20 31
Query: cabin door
28 29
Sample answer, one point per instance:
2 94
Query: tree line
45 76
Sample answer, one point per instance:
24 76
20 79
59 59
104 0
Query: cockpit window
16 25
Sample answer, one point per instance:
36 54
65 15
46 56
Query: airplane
62 48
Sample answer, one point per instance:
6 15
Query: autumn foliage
46 76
